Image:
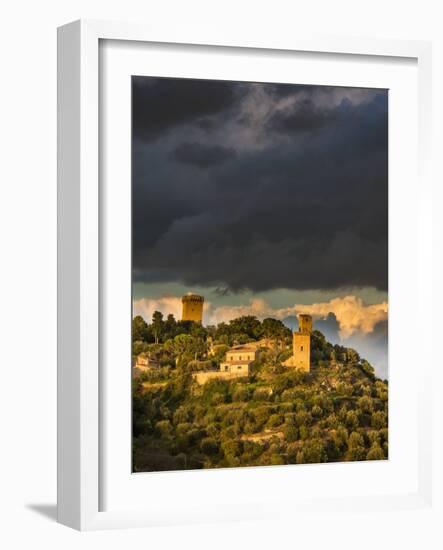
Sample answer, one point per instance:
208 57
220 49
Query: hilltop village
250 392
239 358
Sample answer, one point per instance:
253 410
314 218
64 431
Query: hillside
276 415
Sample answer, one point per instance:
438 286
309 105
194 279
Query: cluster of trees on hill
285 418
240 330
169 339
169 335
337 412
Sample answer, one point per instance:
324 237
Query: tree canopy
277 415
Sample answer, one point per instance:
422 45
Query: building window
301 349
239 367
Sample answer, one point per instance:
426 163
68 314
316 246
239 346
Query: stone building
239 359
192 308
301 345
237 364
144 363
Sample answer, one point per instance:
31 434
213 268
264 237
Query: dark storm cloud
160 104
304 116
202 155
302 202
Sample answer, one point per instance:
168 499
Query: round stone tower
192 308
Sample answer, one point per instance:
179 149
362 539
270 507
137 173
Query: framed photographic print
260 261
234 222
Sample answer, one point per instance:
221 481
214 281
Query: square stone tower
305 323
301 343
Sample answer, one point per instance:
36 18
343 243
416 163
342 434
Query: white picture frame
79 261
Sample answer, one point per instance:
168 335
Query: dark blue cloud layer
295 198
201 155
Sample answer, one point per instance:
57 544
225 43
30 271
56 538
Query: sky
268 199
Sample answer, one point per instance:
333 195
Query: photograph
259 274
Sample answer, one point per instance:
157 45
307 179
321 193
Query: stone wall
203 377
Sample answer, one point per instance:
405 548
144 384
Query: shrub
312 452
164 428
357 453
261 415
182 414
262 394
365 404
375 453
356 447
194 435
302 418
342 436
213 429
367 368
290 433
275 420
240 394
384 435
332 421
352 421
304 432
292 450
379 420
232 448
209 446
374 437
344 389
289 395
217 398
183 428
355 440
250 427
286 407
277 460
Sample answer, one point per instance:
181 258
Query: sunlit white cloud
352 315
166 304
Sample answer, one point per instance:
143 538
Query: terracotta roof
241 347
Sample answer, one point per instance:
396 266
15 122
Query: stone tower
305 323
301 343
192 308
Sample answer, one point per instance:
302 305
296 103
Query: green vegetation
278 415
